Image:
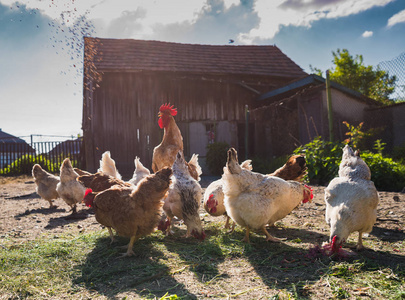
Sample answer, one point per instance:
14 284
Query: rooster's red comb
167 107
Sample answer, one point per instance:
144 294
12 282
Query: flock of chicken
137 207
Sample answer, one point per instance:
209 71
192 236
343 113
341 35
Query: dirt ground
25 216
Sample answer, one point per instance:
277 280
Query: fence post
329 102
247 132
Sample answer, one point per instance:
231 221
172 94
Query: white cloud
367 34
277 13
112 18
397 18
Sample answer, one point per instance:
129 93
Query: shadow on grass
144 274
284 266
68 218
203 257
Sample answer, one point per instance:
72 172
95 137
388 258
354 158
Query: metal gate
19 158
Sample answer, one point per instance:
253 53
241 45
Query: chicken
254 200
139 173
69 189
107 165
183 199
194 168
351 201
45 184
294 169
214 197
132 212
81 172
100 181
165 153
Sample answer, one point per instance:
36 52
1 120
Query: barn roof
313 79
142 55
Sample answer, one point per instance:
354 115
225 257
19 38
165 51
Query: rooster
254 200
45 184
351 201
183 199
165 153
69 189
131 212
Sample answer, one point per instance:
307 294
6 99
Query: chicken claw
129 252
270 237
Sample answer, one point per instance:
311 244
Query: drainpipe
330 109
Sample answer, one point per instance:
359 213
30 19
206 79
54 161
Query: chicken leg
360 246
130 252
51 205
111 235
269 236
227 225
246 238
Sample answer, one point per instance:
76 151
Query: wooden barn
126 81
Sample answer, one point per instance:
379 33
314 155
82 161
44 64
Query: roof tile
136 55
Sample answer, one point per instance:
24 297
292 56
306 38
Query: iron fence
19 158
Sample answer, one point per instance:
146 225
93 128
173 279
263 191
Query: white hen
214 197
139 173
254 200
107 165
351 200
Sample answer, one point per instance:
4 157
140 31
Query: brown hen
132 212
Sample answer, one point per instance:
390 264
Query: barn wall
398 122
276 129
390 120
124 109
282 125
345 108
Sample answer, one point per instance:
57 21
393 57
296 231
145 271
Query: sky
41 43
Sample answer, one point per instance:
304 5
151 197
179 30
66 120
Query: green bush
323 159
267 166
398 153
216 157
24 164
387 174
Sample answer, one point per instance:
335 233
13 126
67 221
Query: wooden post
246 132
330 109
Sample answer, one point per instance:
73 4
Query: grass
86 266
